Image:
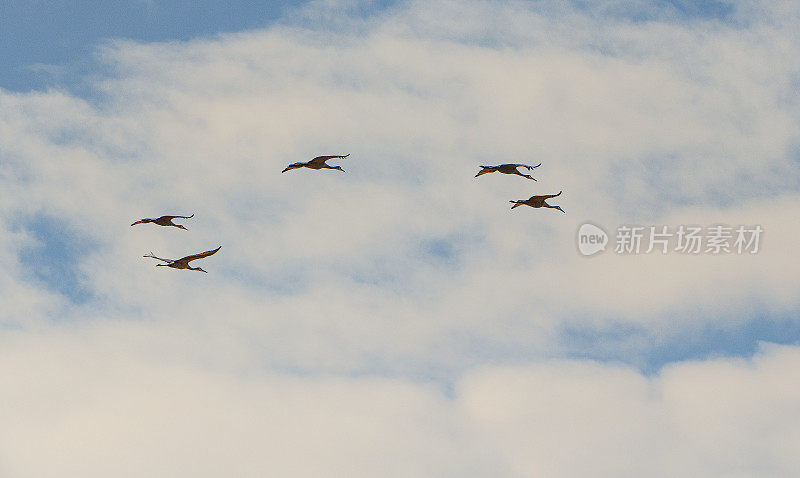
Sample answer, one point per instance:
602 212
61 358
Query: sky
398 319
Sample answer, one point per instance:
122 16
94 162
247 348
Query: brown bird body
508 169
317 163
183 262
163 221
538 201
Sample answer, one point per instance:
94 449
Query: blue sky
61 36
402 299
64 34
50 44
55 256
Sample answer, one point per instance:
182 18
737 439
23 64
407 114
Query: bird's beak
137 222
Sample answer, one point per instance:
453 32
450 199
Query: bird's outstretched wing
176 217
199 256
545 196
527 166
322 159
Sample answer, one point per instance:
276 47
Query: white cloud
654 122
406 266
720 418
148 409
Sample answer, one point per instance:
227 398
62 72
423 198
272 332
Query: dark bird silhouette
317 163
183 262
538 201
507 169
163 221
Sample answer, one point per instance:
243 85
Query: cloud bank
403 304
138 413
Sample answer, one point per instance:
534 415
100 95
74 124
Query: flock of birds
533 201
320 162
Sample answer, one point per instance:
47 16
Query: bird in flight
317 163
183 262
507 169
163 221
537 201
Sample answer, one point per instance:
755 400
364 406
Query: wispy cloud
407 267
153 406
658 124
